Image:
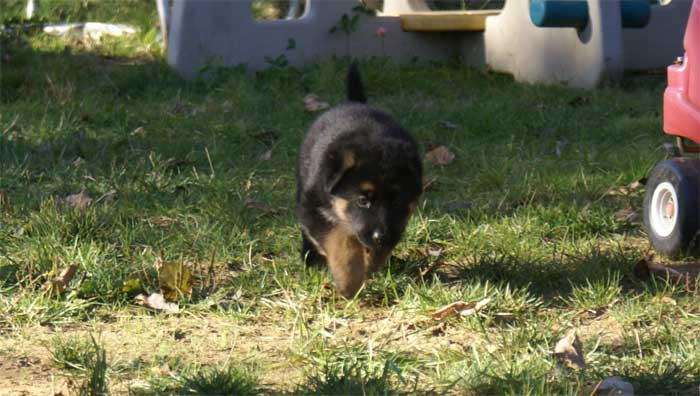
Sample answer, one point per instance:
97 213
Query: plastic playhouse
579 42
672 200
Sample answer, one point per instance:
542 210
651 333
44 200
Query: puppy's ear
339 166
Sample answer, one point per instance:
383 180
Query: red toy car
672 200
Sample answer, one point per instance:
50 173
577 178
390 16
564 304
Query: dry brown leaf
613 386
569 350
258 205
266 155
440 156
628 215
435 264
4 201
628 189
58 284
447 125
174 279
428 184
646 268
79 201
666 300
451 309
477 307
637 184
434 250
460 307
313 103
438 329
107 197
161 221
157 301
247 185
138 132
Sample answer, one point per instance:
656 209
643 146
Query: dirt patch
138 344
26 368
606 329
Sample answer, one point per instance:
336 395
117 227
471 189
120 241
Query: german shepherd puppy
359 177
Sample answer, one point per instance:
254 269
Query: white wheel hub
663 211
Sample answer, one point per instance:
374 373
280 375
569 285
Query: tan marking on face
340 207
346 261
348 160
367 187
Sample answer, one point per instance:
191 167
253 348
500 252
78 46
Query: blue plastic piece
635 13
574 13
559 13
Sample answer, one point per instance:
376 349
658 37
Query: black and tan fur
358 181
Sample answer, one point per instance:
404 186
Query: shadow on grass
549 279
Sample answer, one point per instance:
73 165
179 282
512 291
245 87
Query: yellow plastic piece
446 21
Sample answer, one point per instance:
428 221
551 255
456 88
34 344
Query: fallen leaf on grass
58 284
428 184
613 386
628 189
107 197
647 268
4 201
258 205
637 184
627 215
174 279
431 267
440 156
157 301
569 350
447 125
131 286
434 250
140 131
666 300
266 155
78 201
438 329
161 221
313 103
460 307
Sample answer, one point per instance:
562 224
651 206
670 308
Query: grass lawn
200 174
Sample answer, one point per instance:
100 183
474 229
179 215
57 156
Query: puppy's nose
377 237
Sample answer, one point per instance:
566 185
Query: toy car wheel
672 205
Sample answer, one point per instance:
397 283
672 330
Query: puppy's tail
353 85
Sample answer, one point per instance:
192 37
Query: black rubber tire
684 175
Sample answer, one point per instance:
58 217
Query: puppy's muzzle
373 240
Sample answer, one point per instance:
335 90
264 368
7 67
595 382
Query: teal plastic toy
574 13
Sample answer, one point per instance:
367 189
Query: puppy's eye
363 202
